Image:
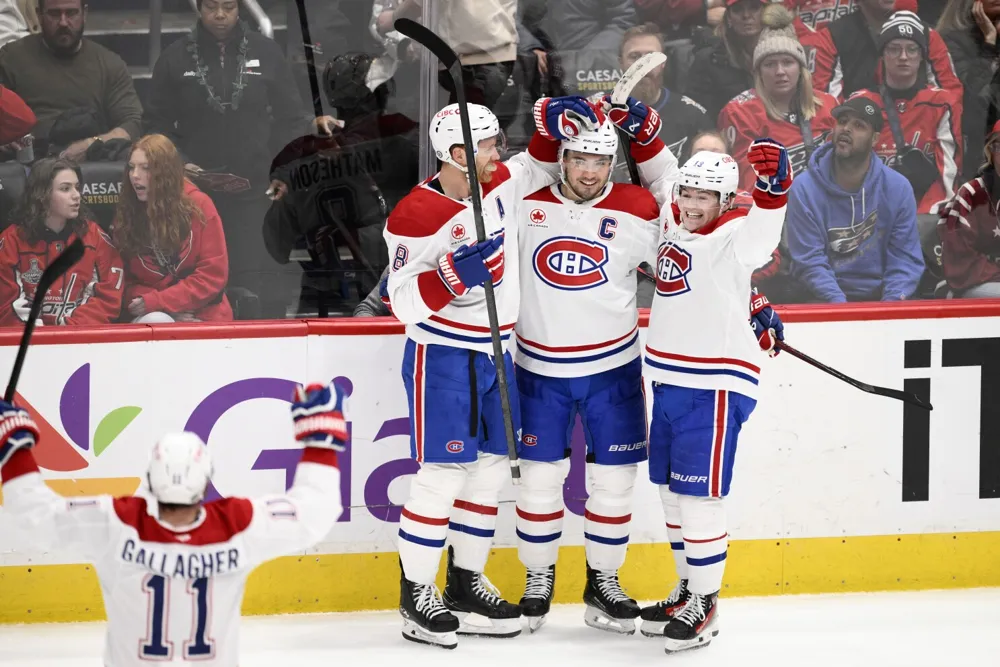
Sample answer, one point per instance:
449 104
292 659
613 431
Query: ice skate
608 607
694 626
477 604
425 618
537 597
656 616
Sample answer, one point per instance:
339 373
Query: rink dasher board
818 496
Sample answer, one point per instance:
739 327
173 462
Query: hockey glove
472 265
635 119
769 160
766 324
318 413
17 430
559 118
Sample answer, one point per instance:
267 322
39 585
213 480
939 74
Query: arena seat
13 180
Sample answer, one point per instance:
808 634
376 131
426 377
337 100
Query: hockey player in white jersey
457 431
172 568
702 358
578 354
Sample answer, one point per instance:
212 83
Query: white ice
936 629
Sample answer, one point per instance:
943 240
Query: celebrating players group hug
564 244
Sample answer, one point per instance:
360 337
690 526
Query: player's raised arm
79 524
760 233
658 167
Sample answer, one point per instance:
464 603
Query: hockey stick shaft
636 72
308 48
447 56
70 256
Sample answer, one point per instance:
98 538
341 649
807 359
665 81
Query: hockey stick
449 59
638 71
308 47
70 256
905 396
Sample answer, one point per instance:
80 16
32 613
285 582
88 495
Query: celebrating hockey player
457 429
701 357
578 354
173 567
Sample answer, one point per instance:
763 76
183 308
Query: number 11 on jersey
156 646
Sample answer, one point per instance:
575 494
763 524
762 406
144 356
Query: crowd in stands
243 184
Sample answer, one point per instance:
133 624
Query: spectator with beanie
782 104
852 222
49 216
970 242
171 238
923 137
847 53
969 28
59 71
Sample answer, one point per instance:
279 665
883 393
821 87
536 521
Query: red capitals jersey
745 119
970 237
817 13
931 121
89 293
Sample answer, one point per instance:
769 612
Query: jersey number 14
156 646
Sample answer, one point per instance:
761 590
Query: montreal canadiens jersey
427 224
578 260
699 333
172 596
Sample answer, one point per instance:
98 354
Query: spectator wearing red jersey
49 216
782 104
16 117
923 137
970 230
172 240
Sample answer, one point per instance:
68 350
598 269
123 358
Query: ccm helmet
446 130
706 170
179 469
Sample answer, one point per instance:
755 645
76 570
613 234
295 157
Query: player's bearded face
586 175
698 207
487 158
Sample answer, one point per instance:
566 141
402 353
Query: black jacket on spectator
973 59
243 140
715 80
589 24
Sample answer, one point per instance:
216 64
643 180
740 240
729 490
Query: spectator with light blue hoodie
852 221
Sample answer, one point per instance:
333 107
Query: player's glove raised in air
765 323
769 160
17 430
635 119
559 118
318 413
472 265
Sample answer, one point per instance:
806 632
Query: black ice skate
537 598
468 594
425 618
656 616
694 626
608 608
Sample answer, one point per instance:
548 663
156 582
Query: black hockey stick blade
70 256
905 396
427 38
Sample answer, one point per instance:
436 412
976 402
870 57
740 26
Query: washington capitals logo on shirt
673 264
570 263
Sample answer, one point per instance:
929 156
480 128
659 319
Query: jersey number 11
156 646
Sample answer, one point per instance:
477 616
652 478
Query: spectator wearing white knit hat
782 104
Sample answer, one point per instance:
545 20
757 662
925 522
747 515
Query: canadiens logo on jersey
673 264
571 263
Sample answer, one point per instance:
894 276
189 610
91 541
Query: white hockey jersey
699 333
578 261
426 225
172 596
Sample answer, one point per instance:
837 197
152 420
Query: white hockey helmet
706 170
602 141
180 468
446 130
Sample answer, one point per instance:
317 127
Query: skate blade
674 646
415 633
474 625
597 619
652 629
535 623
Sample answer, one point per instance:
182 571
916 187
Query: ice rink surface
936 629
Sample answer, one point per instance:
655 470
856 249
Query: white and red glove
318 413
769 160
559 118
472 265
635 119
766 324
17 430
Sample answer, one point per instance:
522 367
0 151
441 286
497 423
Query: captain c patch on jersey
571 263
673 264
